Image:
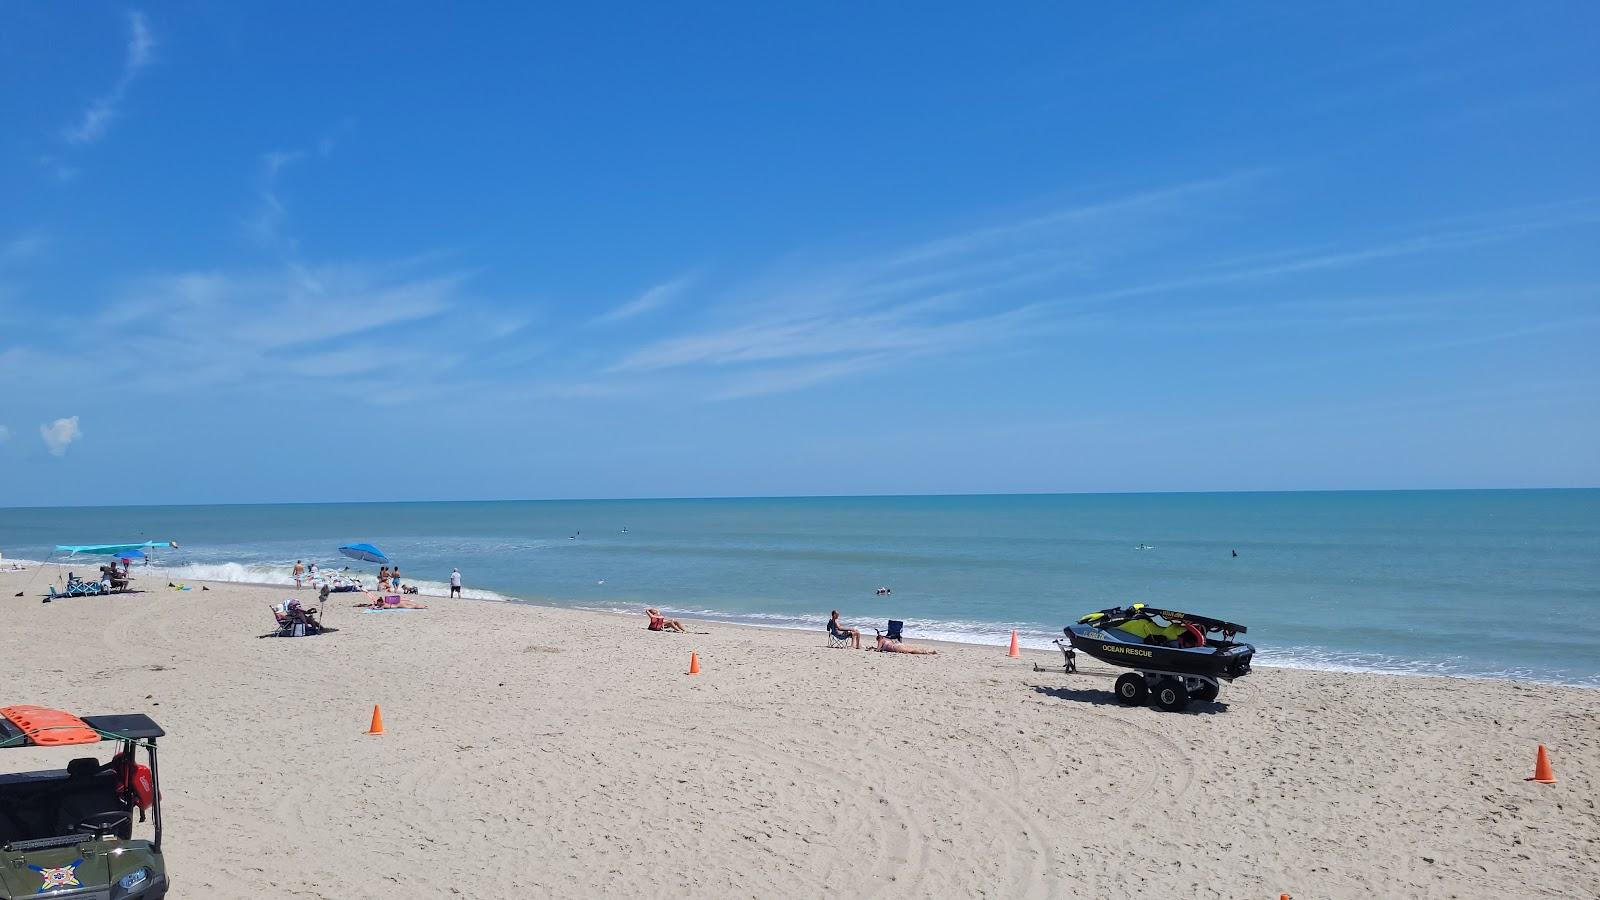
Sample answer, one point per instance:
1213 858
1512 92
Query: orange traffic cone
1013 652
694 663
377 720
1542 772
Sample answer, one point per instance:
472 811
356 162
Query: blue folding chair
893 634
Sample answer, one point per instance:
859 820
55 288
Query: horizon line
886 496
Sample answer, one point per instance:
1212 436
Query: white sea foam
280 576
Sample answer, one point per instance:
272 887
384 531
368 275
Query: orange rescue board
47 727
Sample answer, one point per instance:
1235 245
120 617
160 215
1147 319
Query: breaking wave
279 576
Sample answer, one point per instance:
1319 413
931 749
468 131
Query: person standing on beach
394 577
455 582
299 570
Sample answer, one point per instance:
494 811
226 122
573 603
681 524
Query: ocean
1499 584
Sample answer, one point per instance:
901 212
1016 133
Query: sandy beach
536 751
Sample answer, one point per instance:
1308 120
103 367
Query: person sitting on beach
659 622
887 646
841 632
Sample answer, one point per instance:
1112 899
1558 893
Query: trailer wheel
1171 695
1132 690
1207 692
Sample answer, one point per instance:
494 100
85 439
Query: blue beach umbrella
131 554
364 553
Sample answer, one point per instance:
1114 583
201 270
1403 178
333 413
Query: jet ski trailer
1174 655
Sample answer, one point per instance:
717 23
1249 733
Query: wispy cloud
21 249
60 434
1041 277
267 224
808 322
57 168
355 331
652 299
97 117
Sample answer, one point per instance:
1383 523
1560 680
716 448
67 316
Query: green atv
69 833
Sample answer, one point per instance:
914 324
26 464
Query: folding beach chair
294 621
77 588
893 634
836 638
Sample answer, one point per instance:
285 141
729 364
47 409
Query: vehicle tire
1132 690
1207 692
1171 695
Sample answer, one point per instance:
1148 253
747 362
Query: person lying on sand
841 632
393 602
661 623
888 646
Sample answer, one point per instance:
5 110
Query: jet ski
1175 655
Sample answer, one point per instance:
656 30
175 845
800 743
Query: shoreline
1026 646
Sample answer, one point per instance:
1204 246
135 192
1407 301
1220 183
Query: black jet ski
1176 655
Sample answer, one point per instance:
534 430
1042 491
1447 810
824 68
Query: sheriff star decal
60 876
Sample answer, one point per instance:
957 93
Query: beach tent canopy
364 552
131 554
110 549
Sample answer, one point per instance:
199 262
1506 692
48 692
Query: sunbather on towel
839 631
888 646
659 622
393 602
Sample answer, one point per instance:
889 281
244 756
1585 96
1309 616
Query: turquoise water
1488 583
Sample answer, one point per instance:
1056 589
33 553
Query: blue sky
293 251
